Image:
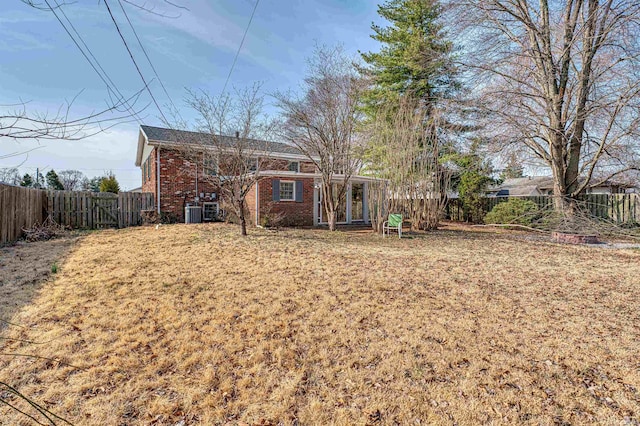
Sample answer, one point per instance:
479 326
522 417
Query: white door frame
318 208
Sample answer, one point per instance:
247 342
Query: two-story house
290 187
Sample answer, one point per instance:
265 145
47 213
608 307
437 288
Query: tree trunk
243 220
332 218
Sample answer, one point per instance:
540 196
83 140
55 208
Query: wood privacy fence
22 208
89 210
616 208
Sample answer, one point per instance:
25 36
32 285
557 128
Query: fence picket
617 208
22 208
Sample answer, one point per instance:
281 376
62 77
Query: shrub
109 184
516 211
271 219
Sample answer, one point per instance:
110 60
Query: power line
77 45
134 61
240 47
146 55
121 97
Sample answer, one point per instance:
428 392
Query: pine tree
53 181
109 184
473 181
27 181
415 58
513 169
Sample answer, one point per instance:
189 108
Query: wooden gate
90 210
105 210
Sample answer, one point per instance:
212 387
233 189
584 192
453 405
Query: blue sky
40 64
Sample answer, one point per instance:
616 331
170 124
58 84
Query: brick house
289 189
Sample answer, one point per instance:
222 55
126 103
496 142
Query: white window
210 211
294 166
287 190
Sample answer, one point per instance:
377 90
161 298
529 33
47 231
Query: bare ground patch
23 269
192 324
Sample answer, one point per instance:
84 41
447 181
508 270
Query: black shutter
299 187
275 188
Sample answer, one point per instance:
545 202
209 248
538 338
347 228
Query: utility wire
147 56
240 47
121 97
109 88
124 41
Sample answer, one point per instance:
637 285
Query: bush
516 211
109 184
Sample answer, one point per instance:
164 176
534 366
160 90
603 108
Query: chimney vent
237 134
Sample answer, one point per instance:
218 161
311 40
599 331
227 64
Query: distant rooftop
534 185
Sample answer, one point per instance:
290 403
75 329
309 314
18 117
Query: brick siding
295 213
178 188
178 184
151 183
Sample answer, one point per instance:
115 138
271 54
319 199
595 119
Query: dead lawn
192 325
23 269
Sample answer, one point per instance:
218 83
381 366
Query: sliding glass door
357 202
351 207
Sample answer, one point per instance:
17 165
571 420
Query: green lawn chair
394 222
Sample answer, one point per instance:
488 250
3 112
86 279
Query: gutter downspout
158 173
257 203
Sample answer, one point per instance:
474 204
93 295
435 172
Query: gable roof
160 134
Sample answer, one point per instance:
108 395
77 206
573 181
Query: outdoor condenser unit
193 214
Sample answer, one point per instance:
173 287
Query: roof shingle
160 134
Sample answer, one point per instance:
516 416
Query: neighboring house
543 185
291 188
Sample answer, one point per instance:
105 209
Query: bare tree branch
561 78
322 122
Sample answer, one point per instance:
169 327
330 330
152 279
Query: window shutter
299 187
275 188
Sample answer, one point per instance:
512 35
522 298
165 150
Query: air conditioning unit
193 214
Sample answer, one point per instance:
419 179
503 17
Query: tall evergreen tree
27 181
414 69
91 185
473 180
53 181
415 58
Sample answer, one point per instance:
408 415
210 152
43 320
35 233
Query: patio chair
393 222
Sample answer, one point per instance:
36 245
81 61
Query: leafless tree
322 122
17 123
404 149
71 180
236 148
10 175
562 78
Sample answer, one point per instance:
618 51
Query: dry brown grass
23 269
192 324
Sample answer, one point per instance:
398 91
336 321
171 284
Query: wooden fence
22 208
616 208
90 210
